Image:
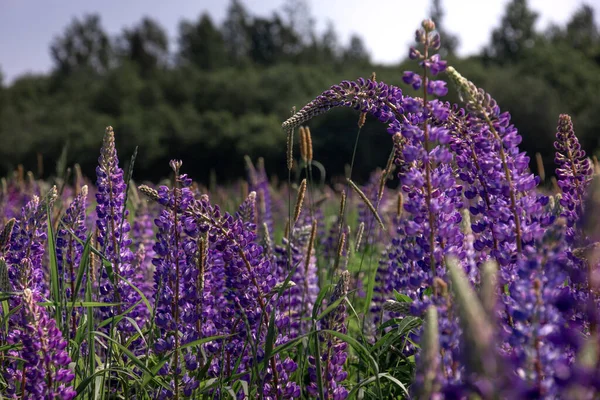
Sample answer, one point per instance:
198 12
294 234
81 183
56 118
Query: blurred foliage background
225 90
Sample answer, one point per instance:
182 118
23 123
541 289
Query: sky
28 26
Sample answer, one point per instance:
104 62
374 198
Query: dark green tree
357 52
146 45
201 44
328 45
271 41
299 19
581 31
83 45
515 34
236 32
449 42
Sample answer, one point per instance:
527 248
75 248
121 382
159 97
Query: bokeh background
211 81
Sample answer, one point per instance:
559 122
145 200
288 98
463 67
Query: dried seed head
342 206
201 257
20 174
286 230
267 239
367 202
6 235
540 166
359 235
140 255
340 251
78 175
399 205
262 204
4 280
152 194
555 187
303 144
309 145
362 119
30 179
311 244
51 196
440 287
290 149
341 245
397 307
244 187
300 200
252 176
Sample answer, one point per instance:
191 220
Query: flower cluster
113 237
43 372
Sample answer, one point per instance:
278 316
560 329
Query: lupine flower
68 248
113 235
176 277
27 242
574 172
45 367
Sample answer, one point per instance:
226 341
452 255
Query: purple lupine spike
238 277
44 369
248 211
175 279
110 197
574 172
68 248
333 350
504 191
28 241
113 236
363 95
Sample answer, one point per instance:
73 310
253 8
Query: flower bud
428 25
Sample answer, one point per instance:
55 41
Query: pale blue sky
28 26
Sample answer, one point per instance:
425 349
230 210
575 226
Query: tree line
223 90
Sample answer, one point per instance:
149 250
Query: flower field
473 279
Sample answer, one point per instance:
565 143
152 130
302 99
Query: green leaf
402 298
53 268
270 339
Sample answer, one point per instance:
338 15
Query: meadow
474 278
